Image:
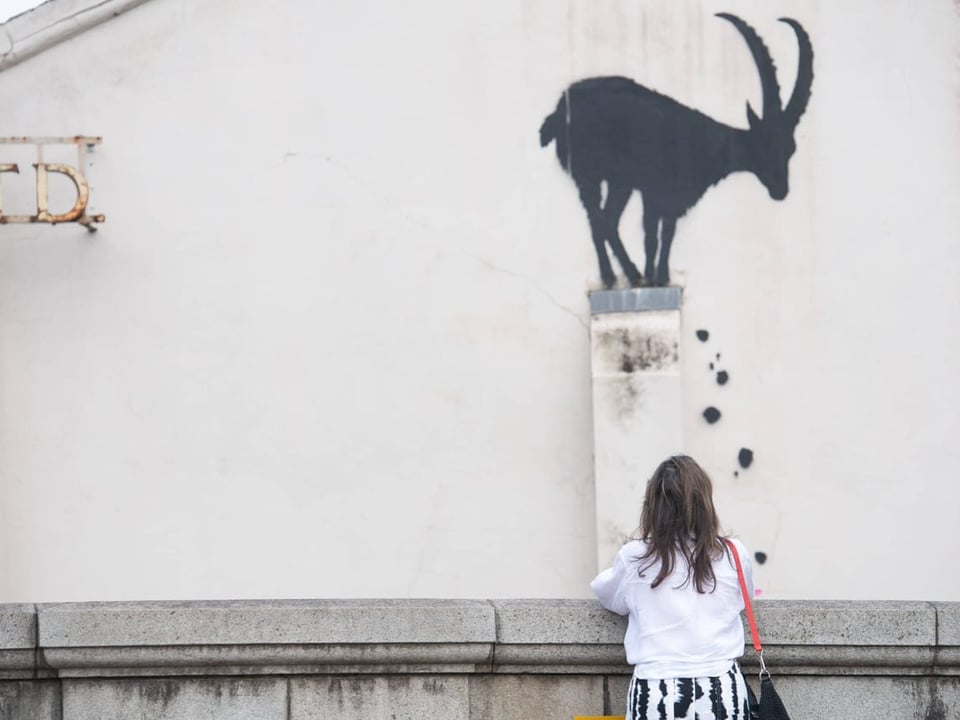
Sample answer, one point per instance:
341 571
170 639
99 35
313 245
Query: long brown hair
678 517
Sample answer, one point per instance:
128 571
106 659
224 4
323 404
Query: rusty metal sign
78 213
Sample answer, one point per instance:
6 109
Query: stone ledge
268 622
559 637
635 299
318 659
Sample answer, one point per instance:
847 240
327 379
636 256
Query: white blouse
675 631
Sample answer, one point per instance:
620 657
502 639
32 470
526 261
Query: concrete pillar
637 421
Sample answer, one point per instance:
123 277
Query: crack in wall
417 222
531 283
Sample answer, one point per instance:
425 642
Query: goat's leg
666 240
651 226
590 197
617 197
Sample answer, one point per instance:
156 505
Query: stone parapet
466 658
441 636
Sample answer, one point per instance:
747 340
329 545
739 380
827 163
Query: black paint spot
722 377
711 366
760 557
736 473
718 356
711 414
745 458
703 335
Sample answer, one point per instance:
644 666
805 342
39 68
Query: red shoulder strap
747 605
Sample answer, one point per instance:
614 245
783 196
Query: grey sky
9 8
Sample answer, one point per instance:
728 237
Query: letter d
83 193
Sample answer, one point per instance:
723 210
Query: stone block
903 698
18 627
529 696
18 641
176 699
569 622
402 697
265 622
948 624
615 694
557 636
806 622
615 698
26 700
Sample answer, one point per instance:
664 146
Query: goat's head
771 143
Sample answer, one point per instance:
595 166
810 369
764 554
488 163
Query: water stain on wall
635 351
627 396
434 686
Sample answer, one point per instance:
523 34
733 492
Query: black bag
770 706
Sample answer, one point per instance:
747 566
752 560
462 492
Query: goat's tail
550 128
554 128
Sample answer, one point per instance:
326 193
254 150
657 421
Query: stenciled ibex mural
613 130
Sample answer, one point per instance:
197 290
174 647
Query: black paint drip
722 377
745 458
703 335
760 557
711 414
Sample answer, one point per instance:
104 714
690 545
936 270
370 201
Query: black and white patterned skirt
703 698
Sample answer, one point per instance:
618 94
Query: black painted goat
612 129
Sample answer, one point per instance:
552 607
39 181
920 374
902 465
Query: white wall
331 340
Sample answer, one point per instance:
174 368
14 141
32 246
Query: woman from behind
678 585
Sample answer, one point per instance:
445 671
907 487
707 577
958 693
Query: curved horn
765 66
801 89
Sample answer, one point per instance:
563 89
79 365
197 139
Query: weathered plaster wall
332 340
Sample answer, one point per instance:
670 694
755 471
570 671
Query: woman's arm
608 586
